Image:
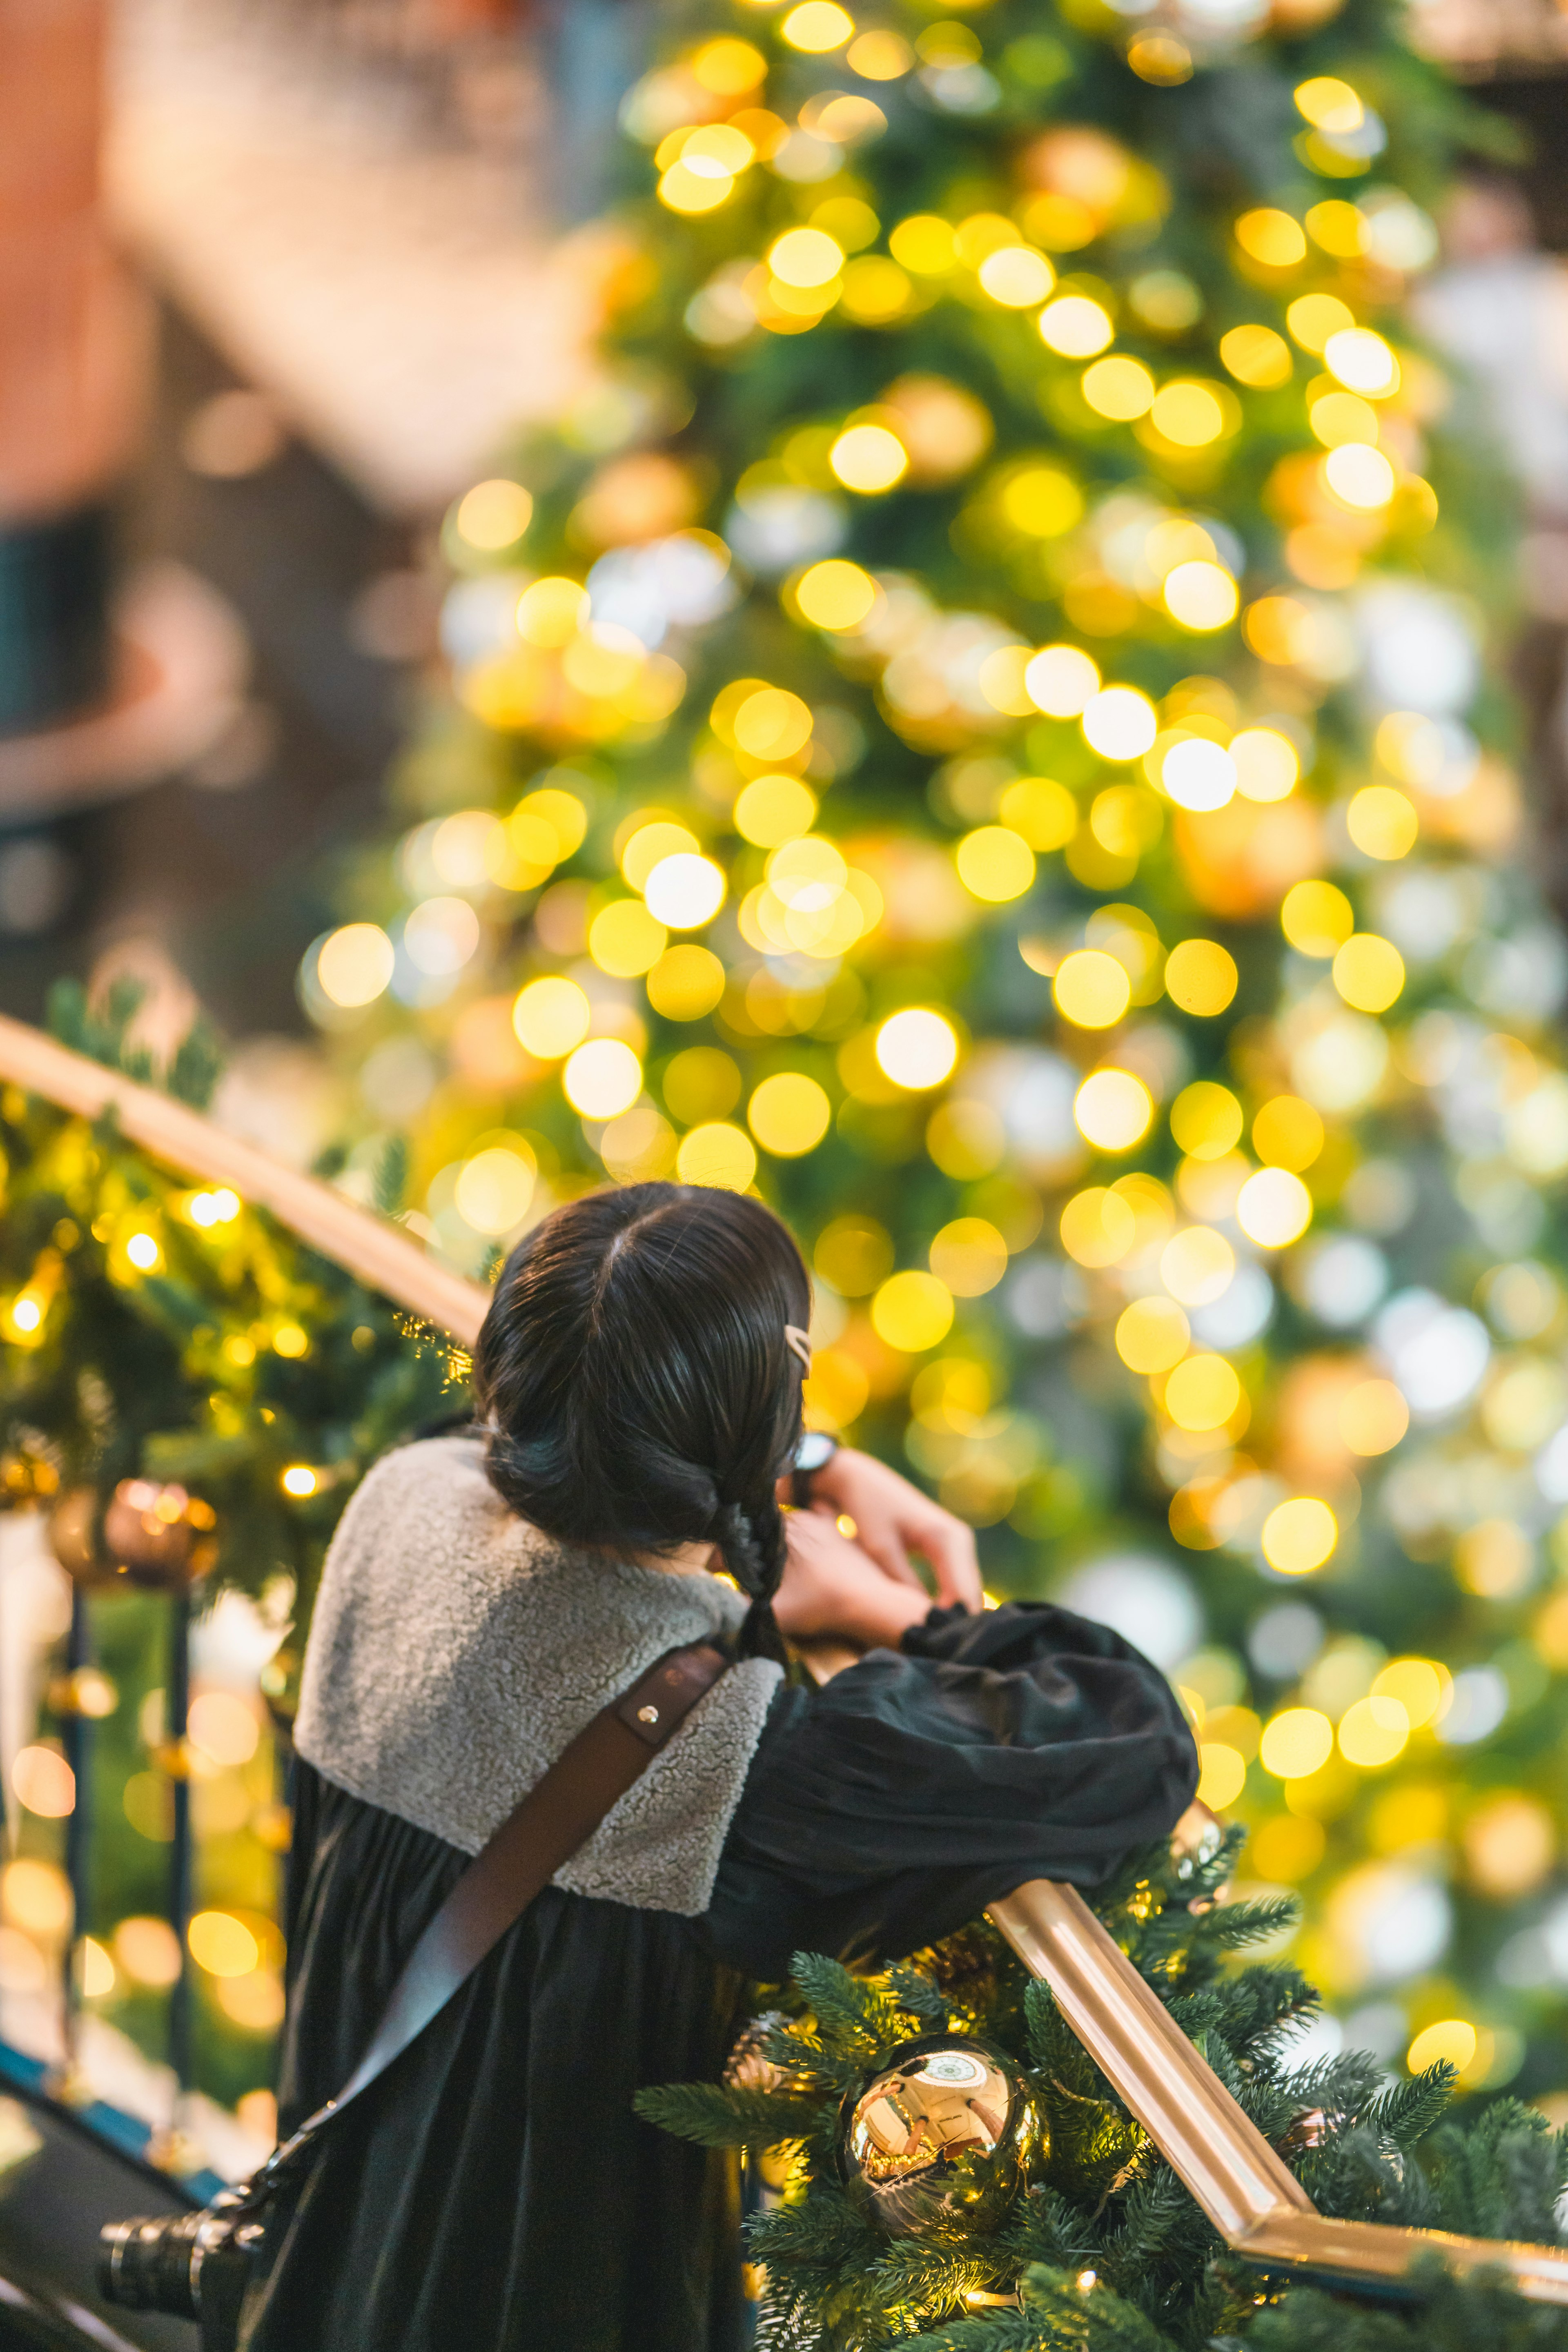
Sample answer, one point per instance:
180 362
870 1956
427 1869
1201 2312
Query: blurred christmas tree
980 725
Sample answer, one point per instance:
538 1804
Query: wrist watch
815 1450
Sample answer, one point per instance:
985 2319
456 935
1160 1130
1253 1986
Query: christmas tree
982 725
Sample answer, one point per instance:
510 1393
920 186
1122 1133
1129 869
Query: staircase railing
1215 2151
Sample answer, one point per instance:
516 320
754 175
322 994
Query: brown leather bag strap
559 1814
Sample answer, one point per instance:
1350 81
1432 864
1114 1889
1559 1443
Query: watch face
814 1448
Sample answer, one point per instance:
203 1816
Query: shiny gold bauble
152 1536
941 2140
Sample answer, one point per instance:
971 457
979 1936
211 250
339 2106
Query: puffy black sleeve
889 1807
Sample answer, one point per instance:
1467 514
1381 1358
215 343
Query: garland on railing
187 1388
1071 2216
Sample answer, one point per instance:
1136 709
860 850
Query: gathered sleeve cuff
889 1806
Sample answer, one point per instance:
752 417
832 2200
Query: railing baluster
180 1859
76 1738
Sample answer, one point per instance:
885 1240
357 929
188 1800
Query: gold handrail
1218 2154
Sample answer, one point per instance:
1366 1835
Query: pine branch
1406 2112
715 2116
389 1183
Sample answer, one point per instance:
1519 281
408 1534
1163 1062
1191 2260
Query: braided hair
639 1388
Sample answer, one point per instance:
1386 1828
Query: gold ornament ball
941 2140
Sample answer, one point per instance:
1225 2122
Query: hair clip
799 1344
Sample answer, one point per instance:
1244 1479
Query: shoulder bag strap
559 1814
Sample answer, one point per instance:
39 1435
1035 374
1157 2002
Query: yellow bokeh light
687 188
143 1250
1201 977
1202 1393
805 257
42 1782
1287 1133
1267 764
1295 1742
1189 414
1062 680
625 940
1299 1535
1374 1731
773 810
1205 1120
494 1188
1118 388
648 844
789 1114
222 1945
772 724
684 892
728 67
853 1253
969 1256
1113 1110
493 515
868 458
1223 1775
1197 1265
1382 822
1120 723
1015 276
686 982
1330 105
836 595
1338 417
601 1079
1256 356
354 965
924 244
1091 988
552 611
1272 237
1313 318
550 1016
1369 972
995 864
1151 1335
1274 1208
1197 775
1042 502
912 1312
1044 811
1201 595
1075 325
917 1048
562 813
1097 1227
1373 1419
1317 918
1451 2042
716 151
1359 476
881 56
1362 362
298 1480
816 26
1419 1685
718 1155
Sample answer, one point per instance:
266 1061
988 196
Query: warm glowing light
1369 972
685 984
912 1312
995 864
601 1079
1015 276
495 1187
1202 1393
1062 681
298 1480
493 515
1201 595
917 1048
1074 326
625 939
836 595
1273 1208
1220 1782
222 1945
1091 988
1042 502
1317 918
1151 1335
1271 237
924 244
880 57
771 724
1197 1265
1256 356
1190 415
1382 822
223 1728
1373 1732
970 1256
1205 1120
1298 1536
1113 1110
1420 1687
868 458
687 188
1373 1419
719 1155
1201 977
773 810
1362 362
1198 775
26 1314
42 1782
683 892
1287 1133
219 1208
550 1016
816 26
1043 811
1330 105
1295 1742
1118 388
143 1250
1097 1227
355 964
789 1114
1452 2043
1267 764
1120 723
552 611
1313 318
806 256
1359 476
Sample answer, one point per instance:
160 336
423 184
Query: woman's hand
830 1587
893 1519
